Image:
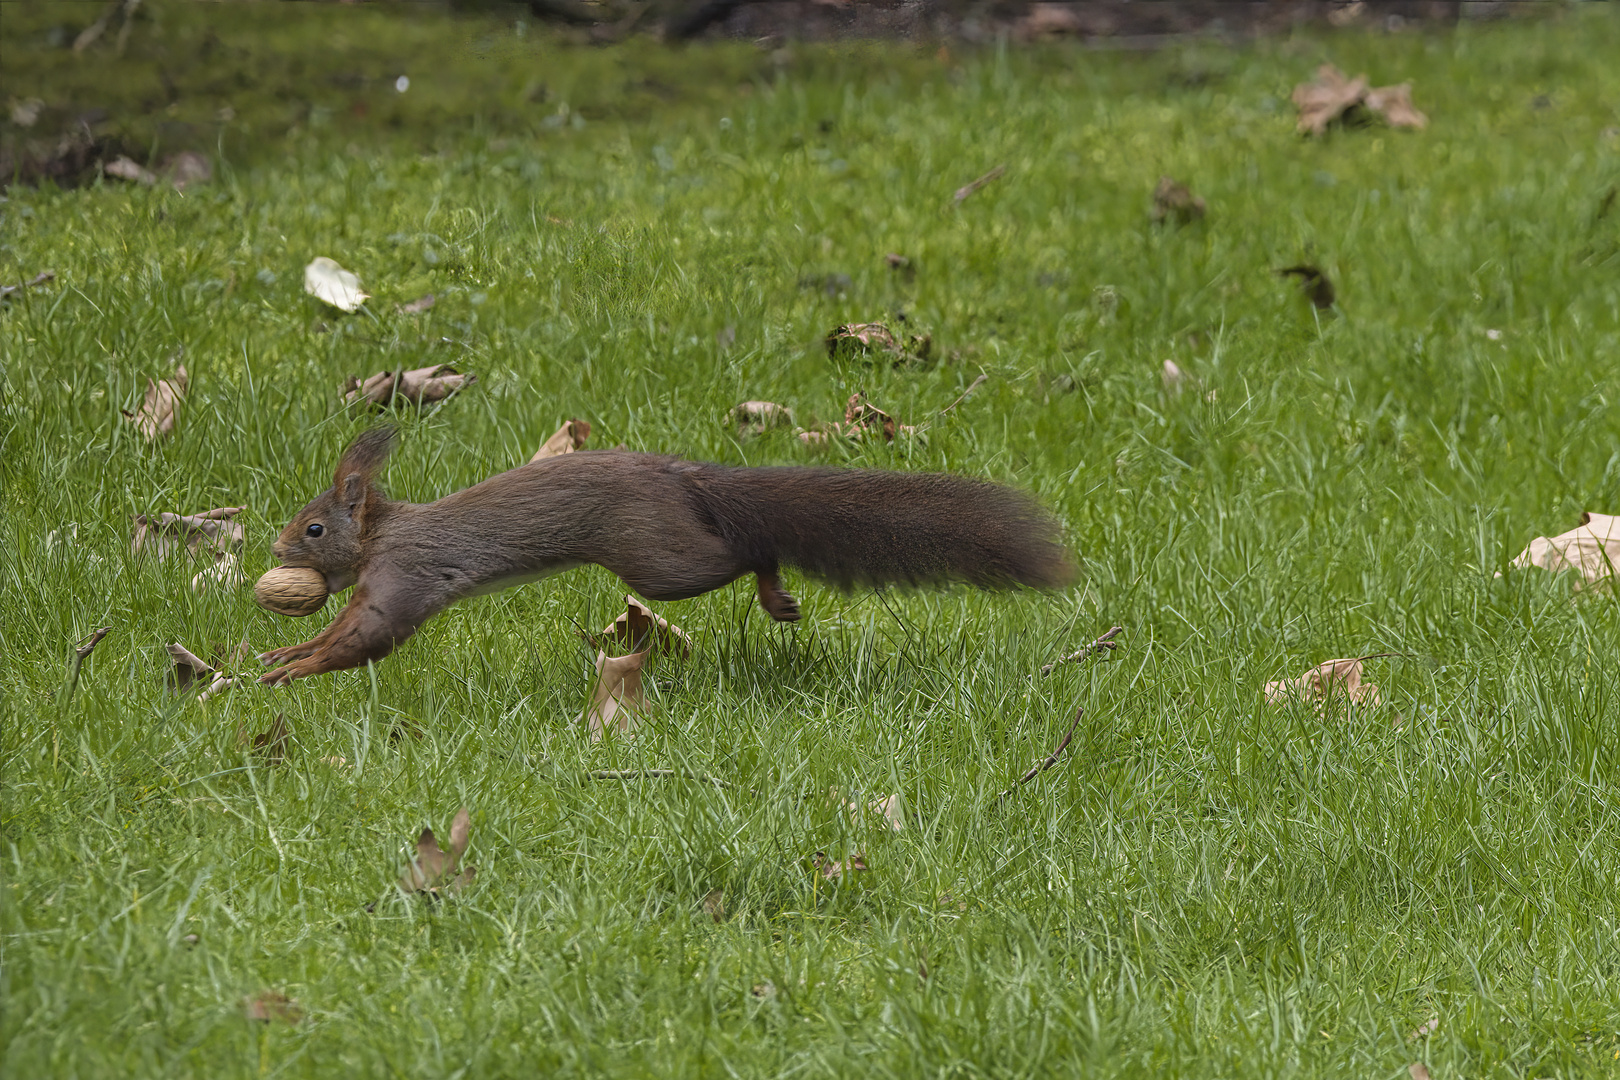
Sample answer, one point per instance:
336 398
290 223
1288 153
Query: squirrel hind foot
778 603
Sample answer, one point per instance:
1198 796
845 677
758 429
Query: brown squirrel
670 528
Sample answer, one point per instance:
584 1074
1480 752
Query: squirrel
669 527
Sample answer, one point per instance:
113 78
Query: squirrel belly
670 528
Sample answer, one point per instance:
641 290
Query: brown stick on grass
1046 762
1101 646
968 189
84 648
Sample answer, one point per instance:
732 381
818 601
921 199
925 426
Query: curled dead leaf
270 745
329 283
875 341
423 386
862 420
155 417
1322 682
419 305
273 1006
565 440
1172 376
1172 201
433 872
714 905
758 417
1591 548
210 534
189 668
1313 281
1418 1071
834 870
617 698
125 168
887 809
225 574
187 168
638 628
1333 97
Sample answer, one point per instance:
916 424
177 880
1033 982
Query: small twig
1100 647
636 774
38 279
84 648
968 189
980 381
1048 761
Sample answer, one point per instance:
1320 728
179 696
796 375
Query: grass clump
1207 886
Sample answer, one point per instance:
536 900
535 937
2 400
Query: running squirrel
670 528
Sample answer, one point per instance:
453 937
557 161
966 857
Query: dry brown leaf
1315 284
1333 97
1427 1028
639 627
1328 98
714 905
758 417
38 279
1418 1070
272 1005
186 168
329 283
1394 104
1046 20
565 440
423 386
833 870
974 185
272 744
225 573
862 420
1172 376
887 808
124 168
188 668
1593 548
617 699
1172 201
875 341
155 418
211 534
433 871
1324 680
419 305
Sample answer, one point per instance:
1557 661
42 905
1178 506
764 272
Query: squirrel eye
314 530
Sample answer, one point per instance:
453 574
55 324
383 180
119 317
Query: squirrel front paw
289 653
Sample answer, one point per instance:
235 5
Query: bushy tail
855 527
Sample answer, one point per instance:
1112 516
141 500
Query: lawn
1205 885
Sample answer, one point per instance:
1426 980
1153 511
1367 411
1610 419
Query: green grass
1206 887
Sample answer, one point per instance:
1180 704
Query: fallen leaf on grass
125 168
1427 1028
1172 376
758 417
329 283
1418 1070
271 744
1334 97
1593 548
1323 681
887 808
969 188
417 306
210 532
854 341
833 870
190 670
714 905
1313 281
422 386
38 279
638 627
617 699
862 420
272 1005
186 168
565 440
155 418
1172 201
433 872
225 573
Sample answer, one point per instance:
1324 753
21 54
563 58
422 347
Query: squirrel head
327 535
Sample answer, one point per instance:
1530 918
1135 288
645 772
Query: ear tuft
365 456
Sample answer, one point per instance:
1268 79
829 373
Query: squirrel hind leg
778 603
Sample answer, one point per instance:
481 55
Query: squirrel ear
364 456
355 488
